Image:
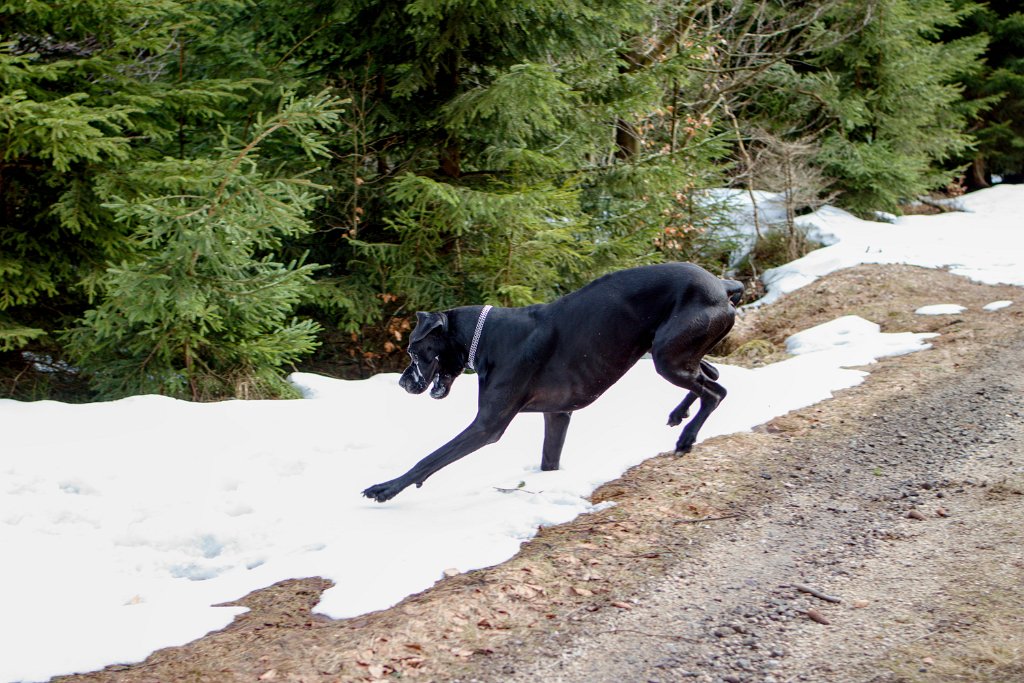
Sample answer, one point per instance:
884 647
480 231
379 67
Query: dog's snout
416 374
412 380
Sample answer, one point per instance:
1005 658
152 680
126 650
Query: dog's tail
735 291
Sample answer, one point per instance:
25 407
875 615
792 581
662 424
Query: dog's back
591 337
637 300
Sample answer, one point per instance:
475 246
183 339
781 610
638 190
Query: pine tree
875 84
480 160
201 309
996 90
86 87
896 114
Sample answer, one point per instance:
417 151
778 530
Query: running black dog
559 357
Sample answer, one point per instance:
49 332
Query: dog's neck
463 322
478 331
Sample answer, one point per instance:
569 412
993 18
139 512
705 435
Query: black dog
559 357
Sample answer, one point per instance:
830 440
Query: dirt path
903 498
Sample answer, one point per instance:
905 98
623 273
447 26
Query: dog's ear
427 323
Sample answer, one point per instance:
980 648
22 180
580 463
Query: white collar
476 336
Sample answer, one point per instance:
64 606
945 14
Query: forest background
197 196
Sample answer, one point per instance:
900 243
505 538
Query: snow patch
852 340
940 309
983 241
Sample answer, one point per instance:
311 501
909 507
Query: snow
997 305
940 309
739 210
852 340
984 241
123 523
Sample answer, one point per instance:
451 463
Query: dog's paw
383 492
685 443
676 417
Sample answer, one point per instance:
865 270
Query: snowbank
984 242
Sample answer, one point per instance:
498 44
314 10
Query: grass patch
755 353
778 244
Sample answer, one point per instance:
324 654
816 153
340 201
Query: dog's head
434 357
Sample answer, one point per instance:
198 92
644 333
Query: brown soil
693 573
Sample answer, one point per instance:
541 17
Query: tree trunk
450 154
976 177
627 141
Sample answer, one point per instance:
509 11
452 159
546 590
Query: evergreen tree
85 87
876 86
480 159
491 151
896 113
998 87
201 309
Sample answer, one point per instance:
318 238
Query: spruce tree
202 309
996 89
895 112
876 85
86 88
480 159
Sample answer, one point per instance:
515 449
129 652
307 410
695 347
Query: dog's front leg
555 427
486 428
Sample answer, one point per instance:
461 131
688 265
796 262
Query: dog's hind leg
555 427
678 353
682 411
710 393
708 369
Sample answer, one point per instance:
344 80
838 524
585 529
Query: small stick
703 519
668 636
644 556
817 593
501 490
607 521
